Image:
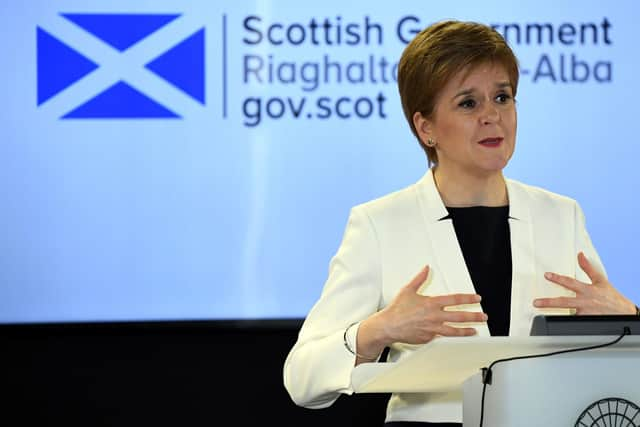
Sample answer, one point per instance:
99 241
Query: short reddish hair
437 54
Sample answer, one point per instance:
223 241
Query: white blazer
387 241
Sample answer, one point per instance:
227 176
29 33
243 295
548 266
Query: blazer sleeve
318 367
584 244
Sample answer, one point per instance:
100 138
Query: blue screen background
233 209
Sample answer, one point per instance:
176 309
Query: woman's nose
490 113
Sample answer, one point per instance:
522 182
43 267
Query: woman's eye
467 103
503 98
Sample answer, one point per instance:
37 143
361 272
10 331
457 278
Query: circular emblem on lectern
611 411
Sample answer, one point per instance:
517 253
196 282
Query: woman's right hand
416 319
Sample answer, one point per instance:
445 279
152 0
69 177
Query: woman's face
474 121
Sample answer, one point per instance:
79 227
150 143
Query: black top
483 235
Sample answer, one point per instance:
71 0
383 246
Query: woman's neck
465 189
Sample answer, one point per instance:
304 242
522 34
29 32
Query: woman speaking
463 251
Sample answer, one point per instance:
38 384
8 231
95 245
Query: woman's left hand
599 297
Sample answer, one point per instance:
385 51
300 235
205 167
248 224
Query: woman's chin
493 165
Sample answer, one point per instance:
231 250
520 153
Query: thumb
588 268
418 280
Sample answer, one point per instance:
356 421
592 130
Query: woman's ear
423 127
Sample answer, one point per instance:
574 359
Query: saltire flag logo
59 66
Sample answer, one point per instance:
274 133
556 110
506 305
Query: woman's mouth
491 142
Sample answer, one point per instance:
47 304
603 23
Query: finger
559 302
451 331
456 299
565 281
463 316
586 266
418 280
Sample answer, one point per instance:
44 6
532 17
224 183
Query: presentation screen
198 159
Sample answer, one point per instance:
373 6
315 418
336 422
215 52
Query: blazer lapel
523 260
449 262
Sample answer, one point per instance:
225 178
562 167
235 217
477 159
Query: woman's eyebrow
464 92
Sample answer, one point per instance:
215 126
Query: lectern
598 387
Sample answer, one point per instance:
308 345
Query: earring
430 143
